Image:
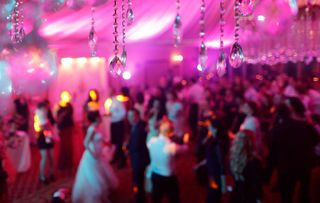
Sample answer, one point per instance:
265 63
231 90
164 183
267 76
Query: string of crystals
124 52
22 33
203 49
130 14
115 64
93 38
221 63
177 26
236 56
17 32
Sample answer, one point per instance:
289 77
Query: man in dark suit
292 152
139 154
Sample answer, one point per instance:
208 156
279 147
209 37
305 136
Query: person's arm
88 138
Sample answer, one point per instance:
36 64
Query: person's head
65 96
282 113
133 116
296 107
93 95
216 127
94 117
166 128
42 105
125 91
156 104
140 98
250 108
242 150
171 96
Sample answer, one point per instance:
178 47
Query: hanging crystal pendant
203 57
116 67
177 30
93 39
221 65
130 16
236 57
124 58
22 34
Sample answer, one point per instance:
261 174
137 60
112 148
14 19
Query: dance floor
27 188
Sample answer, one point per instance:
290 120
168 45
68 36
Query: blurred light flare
126 75
177 58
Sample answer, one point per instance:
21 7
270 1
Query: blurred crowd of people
243 128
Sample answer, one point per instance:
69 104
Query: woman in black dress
246 169
65 125
91 103
43 127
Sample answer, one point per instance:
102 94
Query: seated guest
139 154
246 169
162 154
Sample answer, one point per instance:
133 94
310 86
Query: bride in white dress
95 177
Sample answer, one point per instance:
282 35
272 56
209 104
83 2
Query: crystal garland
17 32
288 46
221 63
203 49
124 52
130 14
236 56
93 39
177 26
115 64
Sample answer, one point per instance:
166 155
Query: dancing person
246 169
252 123
95 177
21 114
215 158
45 141
153 119
65 123
291 152
139 154
195 94
91 102
117 112
174 111
139 105
162 155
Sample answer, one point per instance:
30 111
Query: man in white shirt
162 152
117 114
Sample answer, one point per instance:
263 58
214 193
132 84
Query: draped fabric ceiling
66 30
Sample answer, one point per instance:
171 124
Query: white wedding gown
95 177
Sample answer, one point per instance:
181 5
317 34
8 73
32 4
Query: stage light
261 18
95 60
126 75
66 62
81 61
216 43
177 58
